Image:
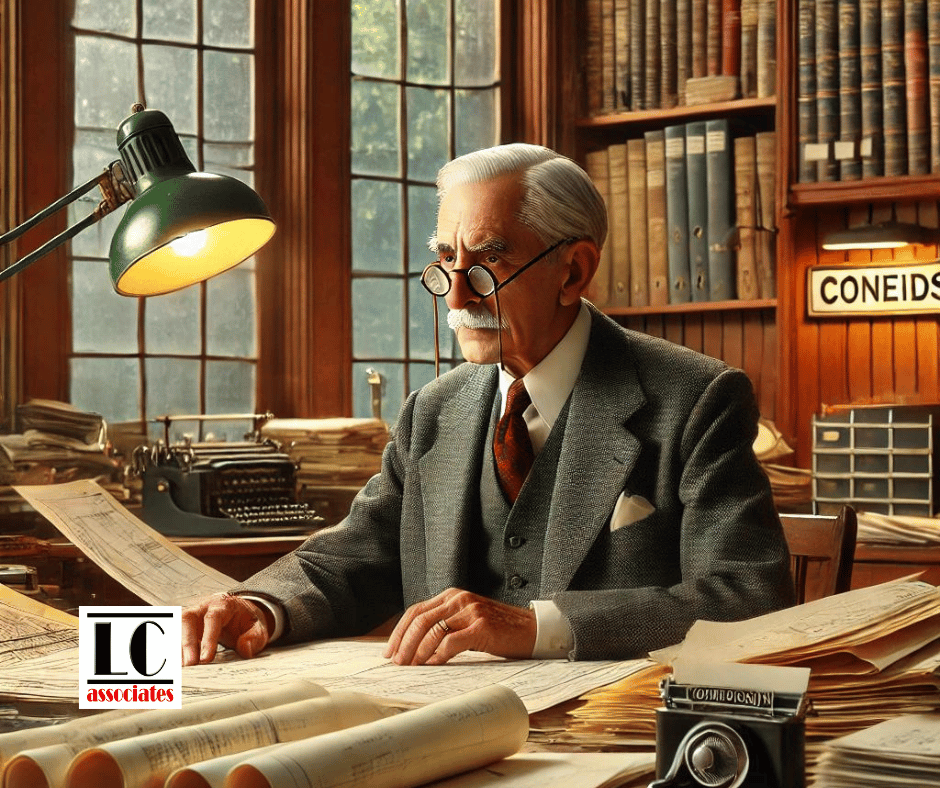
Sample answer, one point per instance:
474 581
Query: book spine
677 215
618 213
595 165
636 198
894 91
749 14
766 48
806 88
933 85
683 47
827 85
653 55
622 53
701 18
766 246
593 49
731 38
915 70
713 38
850 92
872 152
745 175
698 209
608 57
656 239
668 28
638 54
718 171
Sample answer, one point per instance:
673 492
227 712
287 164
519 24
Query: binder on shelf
657 239
622 56
638 57
595 164
933 82
827 85
915 77
718 169
636 197
618 211
872 146
608 58
677 215
766 48
731 38
684 24
765 212
749 15
698 209
806 89
714 38
703 17
668 65
653 55
894 88
850 92
745 177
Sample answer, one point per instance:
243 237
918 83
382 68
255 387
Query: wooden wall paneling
926 327
732 339
712 334
832 354
693 333
674 328
805 385
655 325
752 325
905 341
882 329
769 378
858 350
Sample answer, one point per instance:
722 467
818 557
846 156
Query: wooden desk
74 580
879 563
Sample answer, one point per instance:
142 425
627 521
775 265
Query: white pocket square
630 509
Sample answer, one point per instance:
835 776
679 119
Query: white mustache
476 318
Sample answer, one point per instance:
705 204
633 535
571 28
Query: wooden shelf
685 112
904 188
692 307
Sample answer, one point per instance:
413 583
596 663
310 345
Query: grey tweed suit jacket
646 418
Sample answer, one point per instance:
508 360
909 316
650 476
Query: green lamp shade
183 226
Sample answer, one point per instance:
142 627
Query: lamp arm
115 191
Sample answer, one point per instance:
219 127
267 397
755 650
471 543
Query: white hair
559 199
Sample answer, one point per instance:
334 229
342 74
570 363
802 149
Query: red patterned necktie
511 444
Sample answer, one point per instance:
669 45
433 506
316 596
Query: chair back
822 549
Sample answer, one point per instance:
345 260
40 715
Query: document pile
340 452
902 751
898 530
874 654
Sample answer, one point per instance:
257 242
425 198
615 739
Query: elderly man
577 490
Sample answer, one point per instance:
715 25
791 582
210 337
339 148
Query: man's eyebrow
489 245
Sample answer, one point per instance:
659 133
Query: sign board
872 290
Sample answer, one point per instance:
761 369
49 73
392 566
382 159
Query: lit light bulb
190 244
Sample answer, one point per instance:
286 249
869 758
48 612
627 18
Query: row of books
691 216
869 88
657 54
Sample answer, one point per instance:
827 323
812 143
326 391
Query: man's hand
431 632
222 618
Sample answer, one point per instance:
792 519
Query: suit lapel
450 479
597 456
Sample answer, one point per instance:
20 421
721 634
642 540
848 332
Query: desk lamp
181 226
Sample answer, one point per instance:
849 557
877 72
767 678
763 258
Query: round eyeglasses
438 281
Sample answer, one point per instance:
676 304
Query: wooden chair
822 549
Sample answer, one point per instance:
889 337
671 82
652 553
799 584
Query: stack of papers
897 529
902 751
341 452
874 654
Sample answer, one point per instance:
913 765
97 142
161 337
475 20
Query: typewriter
220 489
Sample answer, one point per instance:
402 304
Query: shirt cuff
553 636
277 613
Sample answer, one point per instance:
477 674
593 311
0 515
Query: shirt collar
551 381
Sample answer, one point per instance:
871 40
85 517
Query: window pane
228 107
421 320
174 20
170 85
427 132
477 120
427 42
102 320
171 323
228 23
109 386
375 38
172 386
96 240
422 217
105 81
477 41
230 314
376 226
230 388
377 324
375 142
393 388
228 155
107 16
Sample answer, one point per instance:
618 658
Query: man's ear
582 265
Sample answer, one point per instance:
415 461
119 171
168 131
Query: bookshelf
798 365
